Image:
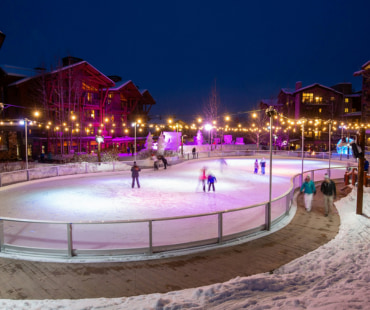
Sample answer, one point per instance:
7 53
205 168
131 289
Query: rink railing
147 236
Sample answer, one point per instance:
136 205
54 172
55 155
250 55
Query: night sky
179 49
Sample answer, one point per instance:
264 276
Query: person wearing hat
135 174
309 189
329 190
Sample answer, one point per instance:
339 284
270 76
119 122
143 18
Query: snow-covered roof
364 67
121 84
18 71
315 85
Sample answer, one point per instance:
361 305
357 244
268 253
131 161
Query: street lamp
270 112
99 139
302 147
135 124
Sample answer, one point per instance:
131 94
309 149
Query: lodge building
75 103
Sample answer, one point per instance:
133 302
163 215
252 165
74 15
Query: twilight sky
178 49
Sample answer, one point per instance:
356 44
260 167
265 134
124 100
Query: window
320 110
318 99
332 99
307 97
346 100
345 110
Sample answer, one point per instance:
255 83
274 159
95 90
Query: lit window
318 99
346 100
345 110
320 110
307 97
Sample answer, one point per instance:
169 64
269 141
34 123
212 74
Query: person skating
135 169
202 178
328 188
263 165
211 182
164 160
309 189
256 166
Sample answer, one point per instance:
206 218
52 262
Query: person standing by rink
256 166
309 189
135 175
329 190
263 165
211 182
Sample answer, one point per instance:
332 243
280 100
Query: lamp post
99 139
26 141
271 112
302 148
135 125
329 122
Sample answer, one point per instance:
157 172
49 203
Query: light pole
302 147
271 112
135 124
329 122
26 141
99 139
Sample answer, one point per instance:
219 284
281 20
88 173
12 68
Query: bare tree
212 106
258 122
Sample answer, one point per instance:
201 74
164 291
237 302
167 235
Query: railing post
150 237
287 204
2 236
1 183
57 171
70 241
267 216
220 227
28 174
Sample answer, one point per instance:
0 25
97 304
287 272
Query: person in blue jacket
309 189
211 182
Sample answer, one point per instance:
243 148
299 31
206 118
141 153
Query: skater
135 175
202 178
194 150
329 190
211 181
263 165
256 166
222 164
155 160
164 160
309 189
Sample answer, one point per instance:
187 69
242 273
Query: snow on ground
335 276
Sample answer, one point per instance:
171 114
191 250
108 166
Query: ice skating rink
91 201
163 193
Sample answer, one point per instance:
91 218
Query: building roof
314 85
364 67
99 76
18 71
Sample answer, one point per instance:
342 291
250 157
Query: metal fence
147 236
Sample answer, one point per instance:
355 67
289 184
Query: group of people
257 165
157 159
210 178
327 187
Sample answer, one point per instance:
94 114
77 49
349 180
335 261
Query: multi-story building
75 103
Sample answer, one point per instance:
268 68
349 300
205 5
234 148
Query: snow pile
335 276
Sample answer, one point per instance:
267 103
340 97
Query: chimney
298 85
